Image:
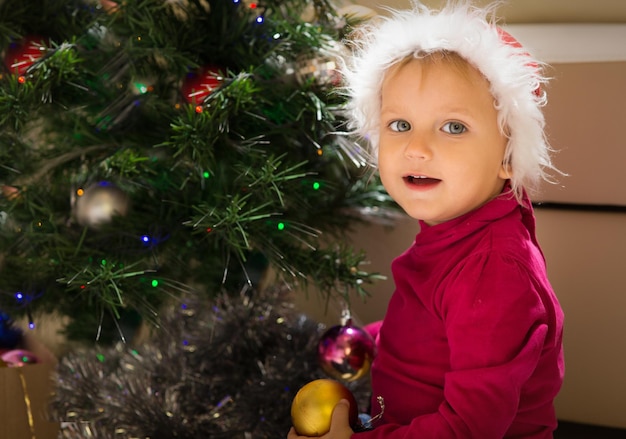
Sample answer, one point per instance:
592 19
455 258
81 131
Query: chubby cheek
392 183
384 179
385 170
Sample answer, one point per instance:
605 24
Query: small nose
418 147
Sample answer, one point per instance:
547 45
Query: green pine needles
166 147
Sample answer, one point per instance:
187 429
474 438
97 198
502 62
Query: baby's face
441 151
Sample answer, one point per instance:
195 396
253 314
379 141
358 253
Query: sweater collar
499 207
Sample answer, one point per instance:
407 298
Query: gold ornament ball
312 407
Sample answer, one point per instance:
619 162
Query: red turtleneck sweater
471 345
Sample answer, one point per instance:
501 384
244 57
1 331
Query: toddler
471 344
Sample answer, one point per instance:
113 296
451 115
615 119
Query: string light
206 174
316 186
141 88
281 226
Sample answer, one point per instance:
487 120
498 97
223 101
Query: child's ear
506 171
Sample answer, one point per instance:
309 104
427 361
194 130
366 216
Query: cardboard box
21 387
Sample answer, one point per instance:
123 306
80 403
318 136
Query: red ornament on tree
20 55
345 352
199 84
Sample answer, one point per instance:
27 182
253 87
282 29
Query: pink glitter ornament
19 358
345 352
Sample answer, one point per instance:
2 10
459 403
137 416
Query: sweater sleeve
496 327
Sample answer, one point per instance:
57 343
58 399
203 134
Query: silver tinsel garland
228 368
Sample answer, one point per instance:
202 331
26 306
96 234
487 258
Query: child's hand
339 424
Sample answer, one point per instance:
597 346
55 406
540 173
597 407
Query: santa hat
515 77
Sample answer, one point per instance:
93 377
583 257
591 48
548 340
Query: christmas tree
158 158
157 147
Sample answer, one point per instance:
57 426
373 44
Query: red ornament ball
346 352
313 405
199 84
19 358
20 55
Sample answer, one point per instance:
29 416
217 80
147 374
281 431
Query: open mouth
420 180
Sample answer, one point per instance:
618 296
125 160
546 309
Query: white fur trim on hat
514 76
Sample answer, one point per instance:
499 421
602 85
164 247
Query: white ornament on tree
98 204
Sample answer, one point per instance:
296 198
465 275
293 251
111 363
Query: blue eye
454 128
400 125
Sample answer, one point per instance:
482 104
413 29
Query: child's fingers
340 421
341 410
